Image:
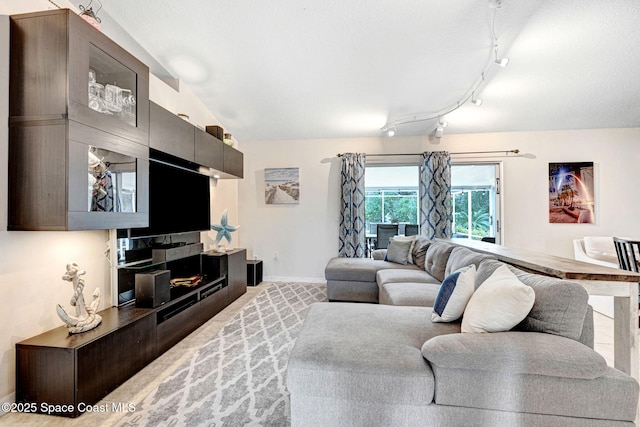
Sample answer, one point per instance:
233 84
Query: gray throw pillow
419 252
398 251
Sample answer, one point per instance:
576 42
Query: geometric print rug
238 378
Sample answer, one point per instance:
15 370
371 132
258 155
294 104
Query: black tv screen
179 201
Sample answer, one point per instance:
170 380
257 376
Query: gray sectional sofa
388 364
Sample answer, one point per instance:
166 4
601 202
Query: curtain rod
515 151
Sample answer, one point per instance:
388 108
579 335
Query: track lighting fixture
391 131
469 95
502 62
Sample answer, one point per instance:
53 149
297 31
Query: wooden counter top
550 265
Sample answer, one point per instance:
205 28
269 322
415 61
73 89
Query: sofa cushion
436 259
455 292
359 269
461 257
516 352
364 353
408 293
398 251
392 275
559 308
419 251
499 304
527 372
352 290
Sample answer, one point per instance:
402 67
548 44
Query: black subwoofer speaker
153 288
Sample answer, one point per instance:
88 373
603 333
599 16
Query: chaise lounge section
390 364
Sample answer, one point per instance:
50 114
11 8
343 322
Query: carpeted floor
238 378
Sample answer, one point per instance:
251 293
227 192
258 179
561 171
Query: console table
597 280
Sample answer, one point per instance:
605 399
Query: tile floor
141 384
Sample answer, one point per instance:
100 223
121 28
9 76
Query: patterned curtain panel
352 214
435 195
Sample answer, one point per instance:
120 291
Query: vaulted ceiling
300 69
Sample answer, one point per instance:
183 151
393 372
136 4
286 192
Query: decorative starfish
224 229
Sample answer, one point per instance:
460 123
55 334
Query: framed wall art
571 193
282 186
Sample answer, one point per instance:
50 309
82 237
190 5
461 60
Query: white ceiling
300 69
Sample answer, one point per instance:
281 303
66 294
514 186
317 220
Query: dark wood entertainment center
63 372
56 124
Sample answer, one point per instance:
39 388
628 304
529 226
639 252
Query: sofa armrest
516 353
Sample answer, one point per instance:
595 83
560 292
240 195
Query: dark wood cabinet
58 368
233 161
209 150
233 264
56 124
170 134
185 314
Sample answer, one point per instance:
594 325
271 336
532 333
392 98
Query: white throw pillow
500 303
411 239
455 292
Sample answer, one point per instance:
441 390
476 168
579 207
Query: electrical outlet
275 255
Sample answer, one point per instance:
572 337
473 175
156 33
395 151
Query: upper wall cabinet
79 127
172 135
63 68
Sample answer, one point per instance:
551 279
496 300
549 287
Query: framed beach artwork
571 193
282 186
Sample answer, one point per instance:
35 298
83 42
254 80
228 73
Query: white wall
305 235
32 263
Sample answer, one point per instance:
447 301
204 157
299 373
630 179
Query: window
391 195
474 202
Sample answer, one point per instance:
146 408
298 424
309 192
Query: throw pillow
398 251
411 239
419 252
455 292
499 304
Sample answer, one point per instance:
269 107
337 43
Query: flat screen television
179 201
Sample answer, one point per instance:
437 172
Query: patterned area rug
237 379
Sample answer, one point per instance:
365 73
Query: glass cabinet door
112 181
112 87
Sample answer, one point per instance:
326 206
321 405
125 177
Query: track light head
476 101
439 132
391 131
502 62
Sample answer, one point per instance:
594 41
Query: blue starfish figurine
224 229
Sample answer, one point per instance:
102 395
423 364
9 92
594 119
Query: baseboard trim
11 398
294 279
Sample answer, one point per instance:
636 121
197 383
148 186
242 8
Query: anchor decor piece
224 230
86 317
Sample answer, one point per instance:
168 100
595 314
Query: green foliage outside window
398 206
480 215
